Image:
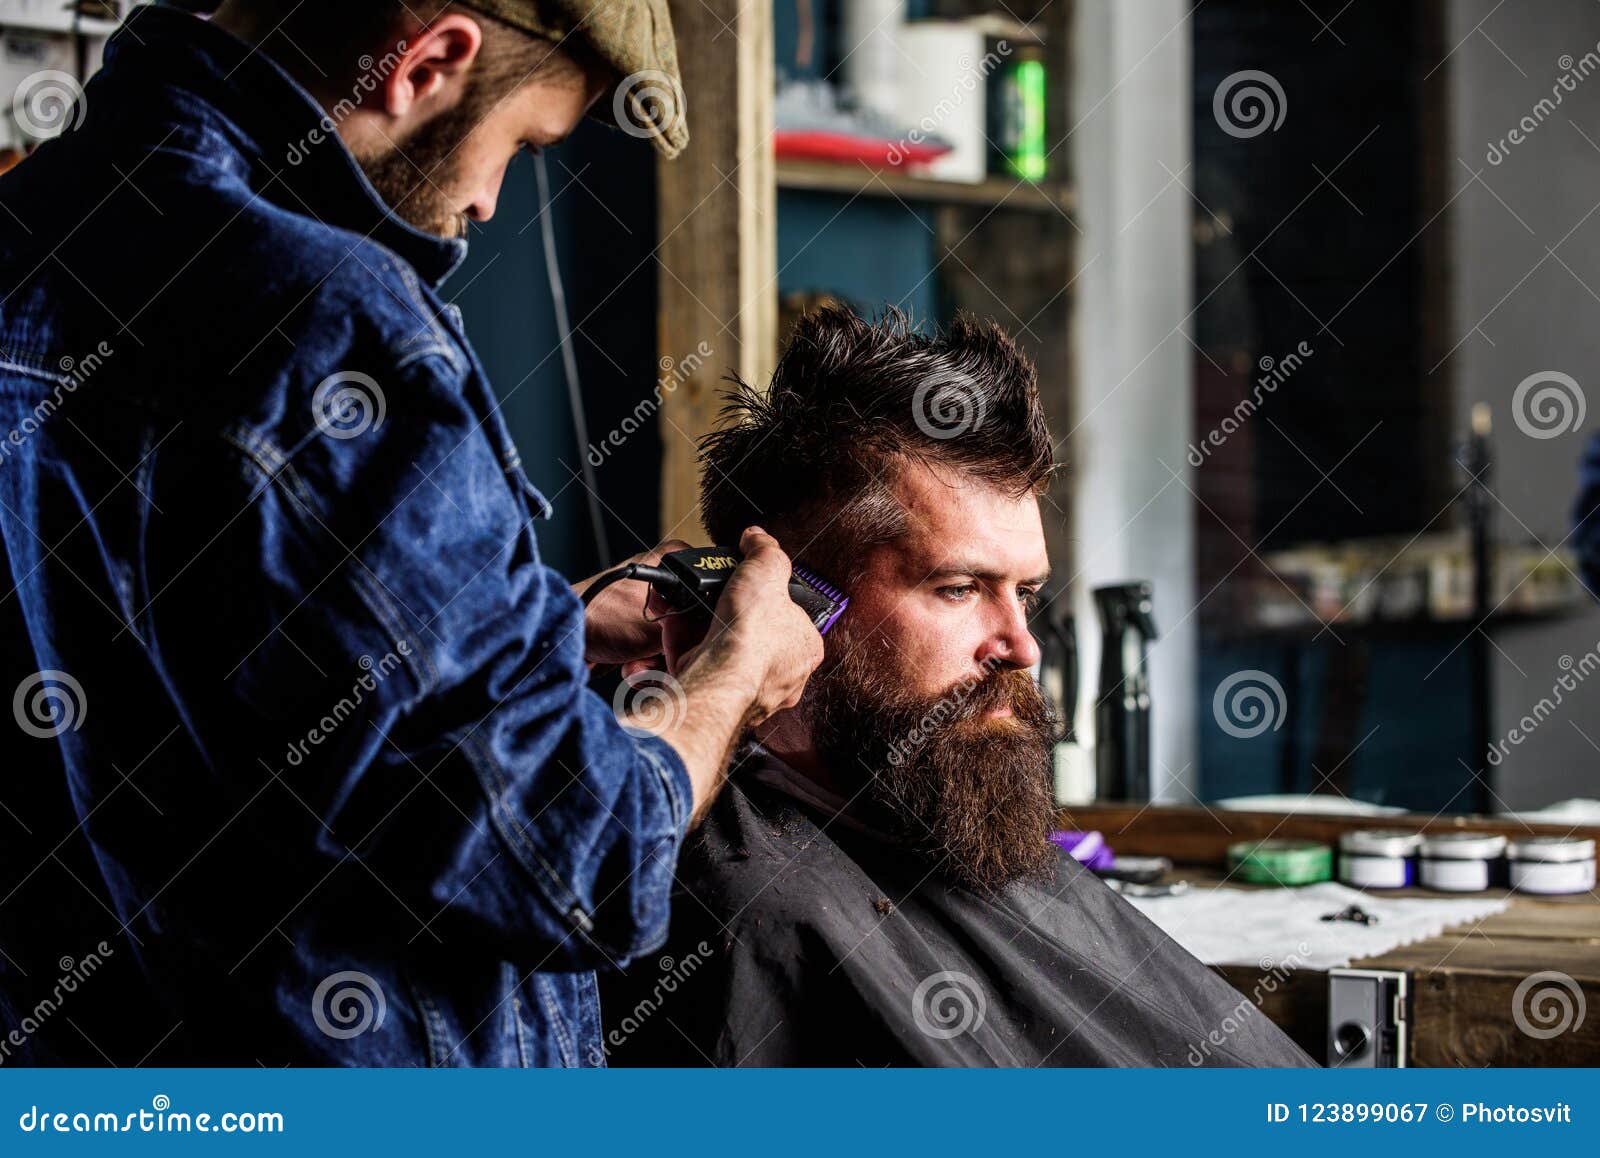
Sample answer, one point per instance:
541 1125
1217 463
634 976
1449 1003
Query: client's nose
1010 644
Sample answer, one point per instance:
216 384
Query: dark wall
1285 256
602 187
1329 262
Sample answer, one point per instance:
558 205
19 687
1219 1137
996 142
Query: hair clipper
692 581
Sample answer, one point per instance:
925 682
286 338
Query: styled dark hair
811 458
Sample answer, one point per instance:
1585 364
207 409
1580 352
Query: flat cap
634 37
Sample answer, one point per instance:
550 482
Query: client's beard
410 175
972 792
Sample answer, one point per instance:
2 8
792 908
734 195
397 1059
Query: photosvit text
1468 1113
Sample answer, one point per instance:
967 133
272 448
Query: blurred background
1314 291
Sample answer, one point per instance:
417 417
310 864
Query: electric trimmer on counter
693 579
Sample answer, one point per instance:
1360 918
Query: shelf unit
1001 248
40 42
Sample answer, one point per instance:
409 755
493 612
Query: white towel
1270 928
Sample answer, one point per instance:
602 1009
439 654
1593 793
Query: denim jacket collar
285 132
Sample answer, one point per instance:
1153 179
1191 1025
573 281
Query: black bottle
1122 704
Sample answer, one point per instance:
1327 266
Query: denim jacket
304 767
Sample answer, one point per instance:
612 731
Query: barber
305 759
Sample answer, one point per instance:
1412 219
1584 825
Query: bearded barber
305 762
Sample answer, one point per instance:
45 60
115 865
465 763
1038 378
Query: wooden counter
1463 982
1464 985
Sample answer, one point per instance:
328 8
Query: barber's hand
758 637
615 627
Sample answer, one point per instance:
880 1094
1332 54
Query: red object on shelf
819 145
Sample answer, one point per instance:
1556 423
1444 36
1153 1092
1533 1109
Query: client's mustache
1011 688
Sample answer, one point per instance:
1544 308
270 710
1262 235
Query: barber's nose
1011 644
483 203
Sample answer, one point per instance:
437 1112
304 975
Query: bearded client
876 885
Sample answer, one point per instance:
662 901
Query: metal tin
1551 865
1280 862
1460 862
1375 858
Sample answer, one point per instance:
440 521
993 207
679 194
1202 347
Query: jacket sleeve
391 624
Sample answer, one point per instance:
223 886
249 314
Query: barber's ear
431 63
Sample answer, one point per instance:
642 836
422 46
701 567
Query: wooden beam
717 214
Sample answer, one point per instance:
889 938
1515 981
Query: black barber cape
799 937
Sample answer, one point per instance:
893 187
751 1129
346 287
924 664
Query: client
876 885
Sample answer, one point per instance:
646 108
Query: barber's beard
411 174
970 790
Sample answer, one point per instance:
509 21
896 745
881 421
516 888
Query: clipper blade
822 600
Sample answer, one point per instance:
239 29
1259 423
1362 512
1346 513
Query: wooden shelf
1417 627
62 24
52 17
1004 26
860 180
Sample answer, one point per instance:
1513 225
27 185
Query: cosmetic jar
1374 858
1460 862
1551 864
1280 862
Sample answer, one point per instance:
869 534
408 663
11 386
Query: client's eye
1030 598
959 592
